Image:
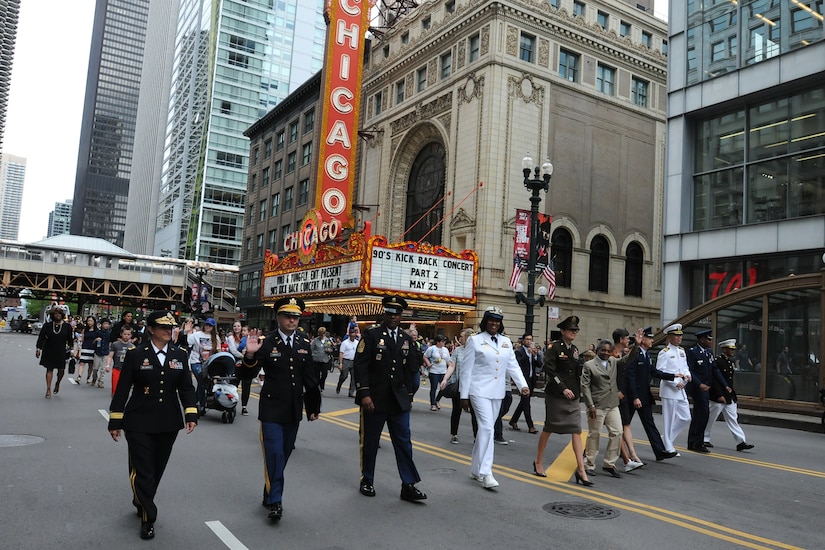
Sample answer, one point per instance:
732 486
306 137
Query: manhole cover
580 510
19 440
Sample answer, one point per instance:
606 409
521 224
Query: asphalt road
71 490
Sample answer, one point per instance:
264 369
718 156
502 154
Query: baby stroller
221 393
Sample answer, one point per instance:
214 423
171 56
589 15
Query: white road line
104 414
226 536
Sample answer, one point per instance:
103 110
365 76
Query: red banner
348 21
521 245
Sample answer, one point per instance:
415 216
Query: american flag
550 274
517 271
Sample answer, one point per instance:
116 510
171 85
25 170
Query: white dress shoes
489 482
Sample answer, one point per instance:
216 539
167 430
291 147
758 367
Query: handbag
71 365
451 389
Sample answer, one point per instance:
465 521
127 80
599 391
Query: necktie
394 335
289 342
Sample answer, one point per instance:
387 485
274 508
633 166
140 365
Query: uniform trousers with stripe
277 441
398 424
148 455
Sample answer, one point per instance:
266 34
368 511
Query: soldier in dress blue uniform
291 383
704 372
723 398
640 397
157 375
385 363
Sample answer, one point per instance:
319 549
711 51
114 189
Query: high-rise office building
107 135
12 176
9 13
744 206
60 219
234 61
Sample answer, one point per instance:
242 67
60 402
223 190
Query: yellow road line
685 521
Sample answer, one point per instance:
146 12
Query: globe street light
539 182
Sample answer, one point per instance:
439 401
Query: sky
48 82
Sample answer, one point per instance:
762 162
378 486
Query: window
226 107
309 120
599 265
421 79
624 29
399 92
561 252
449 7
253 181
446 65
475 45
238 59
555 3
664 47
306 153
288 192
260 244
285 231
222 158
280 141
223 227
578 8
267 148
255 156
425 23
279 165
638 92
293 131
276 204
303 192
647 39
262 210
569 65
405 38
273 240
605 79
377 101
290 162
248 248
425 190
527 45
265 177
602 19
251 214
386 51
634 262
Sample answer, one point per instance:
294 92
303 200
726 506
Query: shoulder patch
361 346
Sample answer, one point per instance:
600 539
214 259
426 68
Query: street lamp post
539 182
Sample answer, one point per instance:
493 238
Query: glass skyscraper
234 60
105 154
12 176
9 13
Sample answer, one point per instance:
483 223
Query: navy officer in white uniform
675 408
488 363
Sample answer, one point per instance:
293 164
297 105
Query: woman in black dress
54 342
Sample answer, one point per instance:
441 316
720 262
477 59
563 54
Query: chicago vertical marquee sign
348 21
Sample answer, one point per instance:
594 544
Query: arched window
599 264
561 251
634 260
426 188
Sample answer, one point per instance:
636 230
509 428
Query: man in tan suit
600 394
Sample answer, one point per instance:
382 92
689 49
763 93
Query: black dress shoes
366 488
666 455
612 471
744 446
276 511
708 444
410 493
698 449
147 530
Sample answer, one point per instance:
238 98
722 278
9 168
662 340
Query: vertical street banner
521 246
344 63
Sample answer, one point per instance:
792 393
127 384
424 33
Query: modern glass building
745 184
234 61
12 177
60 219
107 134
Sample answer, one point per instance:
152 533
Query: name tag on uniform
146 365
505 345
303 351
175 364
